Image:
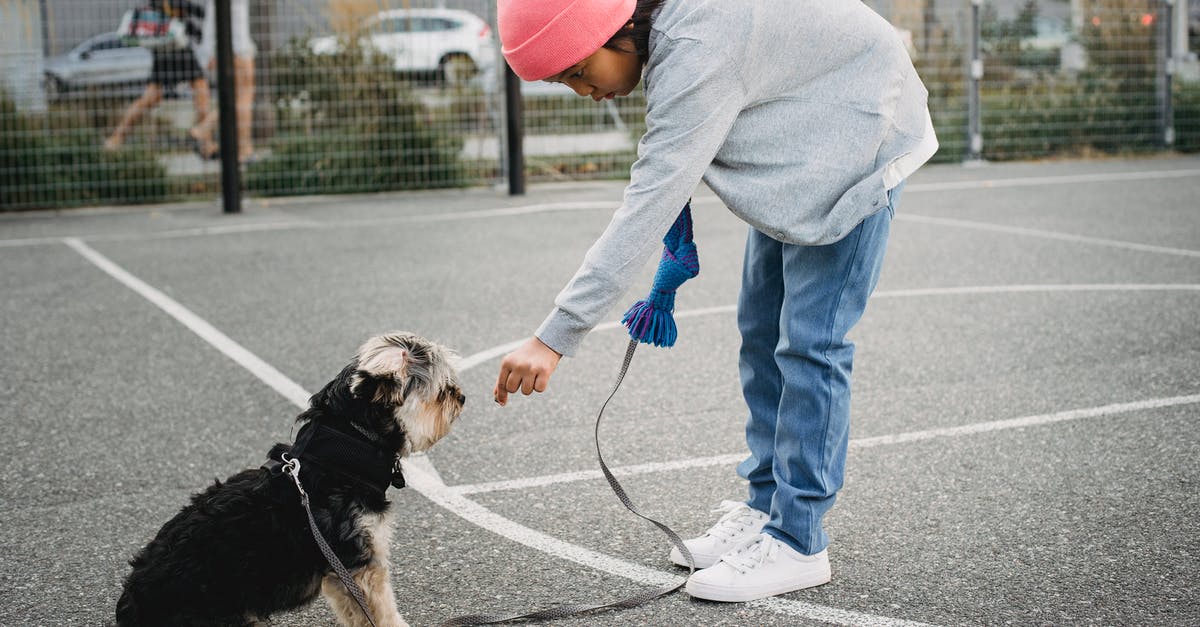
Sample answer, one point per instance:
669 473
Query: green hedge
56 160
345 123
1187 117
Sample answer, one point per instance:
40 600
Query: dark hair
637 39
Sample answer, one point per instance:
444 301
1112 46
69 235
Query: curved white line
422 476
479 515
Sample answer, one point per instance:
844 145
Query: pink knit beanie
541 38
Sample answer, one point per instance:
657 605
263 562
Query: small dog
243 550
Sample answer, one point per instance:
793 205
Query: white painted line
704 199
259 368
968 290
1027 421
475 513
1055 235
587 475
466 363
722 460
1066 179
1025 181
501 212
29 241
1020 289
421 477
882 440
225 229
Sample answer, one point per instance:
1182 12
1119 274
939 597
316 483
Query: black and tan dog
242 550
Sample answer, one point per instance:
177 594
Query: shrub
346 124
1187 117
49 160
1051 115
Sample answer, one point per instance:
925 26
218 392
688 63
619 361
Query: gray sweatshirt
798 114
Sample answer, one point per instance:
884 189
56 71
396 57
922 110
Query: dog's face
415 379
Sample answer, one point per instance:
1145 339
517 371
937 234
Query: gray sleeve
693 94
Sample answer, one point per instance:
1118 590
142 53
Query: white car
455 44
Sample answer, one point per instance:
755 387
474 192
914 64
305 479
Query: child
805 117
168 68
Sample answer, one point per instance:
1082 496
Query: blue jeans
796 306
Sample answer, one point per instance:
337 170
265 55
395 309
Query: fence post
1166 72
515 132
974 77
231 183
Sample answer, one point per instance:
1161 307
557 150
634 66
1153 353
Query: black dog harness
326 451
328 454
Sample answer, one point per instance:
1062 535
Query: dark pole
974 78
45 17
1166 70
231 184
515 131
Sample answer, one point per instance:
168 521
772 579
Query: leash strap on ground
292 467
628 602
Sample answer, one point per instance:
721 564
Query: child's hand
526 369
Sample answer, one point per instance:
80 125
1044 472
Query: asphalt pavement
1024 441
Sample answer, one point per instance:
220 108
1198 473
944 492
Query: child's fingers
500 393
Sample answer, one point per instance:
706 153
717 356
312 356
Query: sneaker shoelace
763 551
737 517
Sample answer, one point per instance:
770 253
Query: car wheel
54 88
456 69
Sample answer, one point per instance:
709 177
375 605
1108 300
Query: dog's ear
385 362
383 367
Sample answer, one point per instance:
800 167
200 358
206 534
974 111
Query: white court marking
881 440
244 358
1055 235
423 478
501 212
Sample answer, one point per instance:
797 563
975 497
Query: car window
415 25
400 25
389 25
108 44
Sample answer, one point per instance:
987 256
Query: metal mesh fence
343 96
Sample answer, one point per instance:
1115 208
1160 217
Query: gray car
102 63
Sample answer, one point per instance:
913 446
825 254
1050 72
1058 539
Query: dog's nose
462 398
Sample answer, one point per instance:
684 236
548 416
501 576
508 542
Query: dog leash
628 602
650 321
292 467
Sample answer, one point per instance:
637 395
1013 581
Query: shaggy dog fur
242 550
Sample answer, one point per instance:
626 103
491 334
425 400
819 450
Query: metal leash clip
292 467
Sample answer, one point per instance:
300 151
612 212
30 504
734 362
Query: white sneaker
764 569
739 526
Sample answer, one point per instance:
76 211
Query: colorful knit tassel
650 321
